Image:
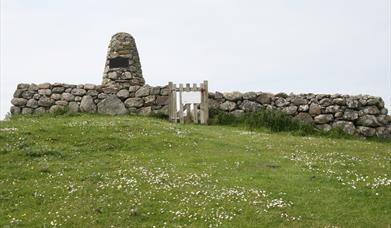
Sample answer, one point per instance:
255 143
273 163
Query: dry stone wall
42 98
123 91
357 115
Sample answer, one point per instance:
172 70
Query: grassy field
129 171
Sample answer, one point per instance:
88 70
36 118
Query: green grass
130 171
275 121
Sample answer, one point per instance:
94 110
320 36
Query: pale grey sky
319 46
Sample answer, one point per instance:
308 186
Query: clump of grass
274 120
41 152
44 166
159 115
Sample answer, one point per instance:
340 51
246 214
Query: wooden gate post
181 117
171 102
204 103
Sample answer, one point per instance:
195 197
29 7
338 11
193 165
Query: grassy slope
135 171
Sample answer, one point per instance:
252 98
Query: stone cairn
123 91
122 68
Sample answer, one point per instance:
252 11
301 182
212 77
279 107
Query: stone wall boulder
19 101
346 126
368 121
112 105
281 102
73 107
299 101
323 118
250 96
290 110
315 109
45 102
87 104
78 92
366 131
250 106
134 102
123 94
350 114
32 103
228 106
233 96
304 117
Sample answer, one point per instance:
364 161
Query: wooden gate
183 111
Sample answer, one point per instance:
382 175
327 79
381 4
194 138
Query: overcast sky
319 46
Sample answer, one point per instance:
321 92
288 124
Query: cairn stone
122 67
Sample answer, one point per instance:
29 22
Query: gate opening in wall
188 103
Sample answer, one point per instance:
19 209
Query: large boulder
304 108
123 94
112 105
73 107
78 92
370 110
19 101
162 100
324 127
250 106
333 109
149 100
145 111
143 91
58 90
228 106
304 117
376 101
28 94
325 102
350 114
233 96
339 101
384 132
40 110
315 109
383 119
291 110
134 102
366 131
87 104
89 86
44 86
281 102
346 126
68 97
56 108
265 98
27 111
250 96
32 103
352 103
15 110
324 118
368 121
45 102
299 101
